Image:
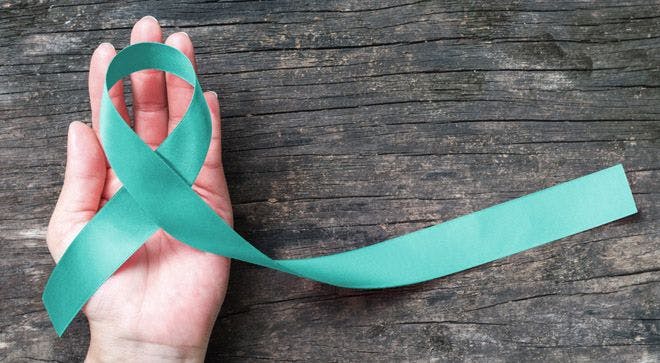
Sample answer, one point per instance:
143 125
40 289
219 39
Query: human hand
162 303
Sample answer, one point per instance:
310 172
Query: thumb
84 179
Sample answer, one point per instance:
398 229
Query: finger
210 183
179 92
97 68
148 86
84 179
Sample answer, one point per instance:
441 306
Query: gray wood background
346 123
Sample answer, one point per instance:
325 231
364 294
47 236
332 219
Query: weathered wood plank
346 123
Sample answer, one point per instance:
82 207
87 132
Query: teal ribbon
157 193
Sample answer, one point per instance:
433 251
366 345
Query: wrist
108 348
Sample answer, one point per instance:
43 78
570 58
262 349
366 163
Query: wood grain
345 123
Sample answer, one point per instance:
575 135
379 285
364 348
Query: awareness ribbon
157 193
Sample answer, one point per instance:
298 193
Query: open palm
167 294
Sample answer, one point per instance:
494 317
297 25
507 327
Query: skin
162 303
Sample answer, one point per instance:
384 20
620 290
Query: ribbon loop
157 193
185 148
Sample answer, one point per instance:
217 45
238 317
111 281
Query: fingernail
106 45
73 142
173 38
214 94
149 17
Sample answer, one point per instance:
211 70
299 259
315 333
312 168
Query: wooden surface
346 123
